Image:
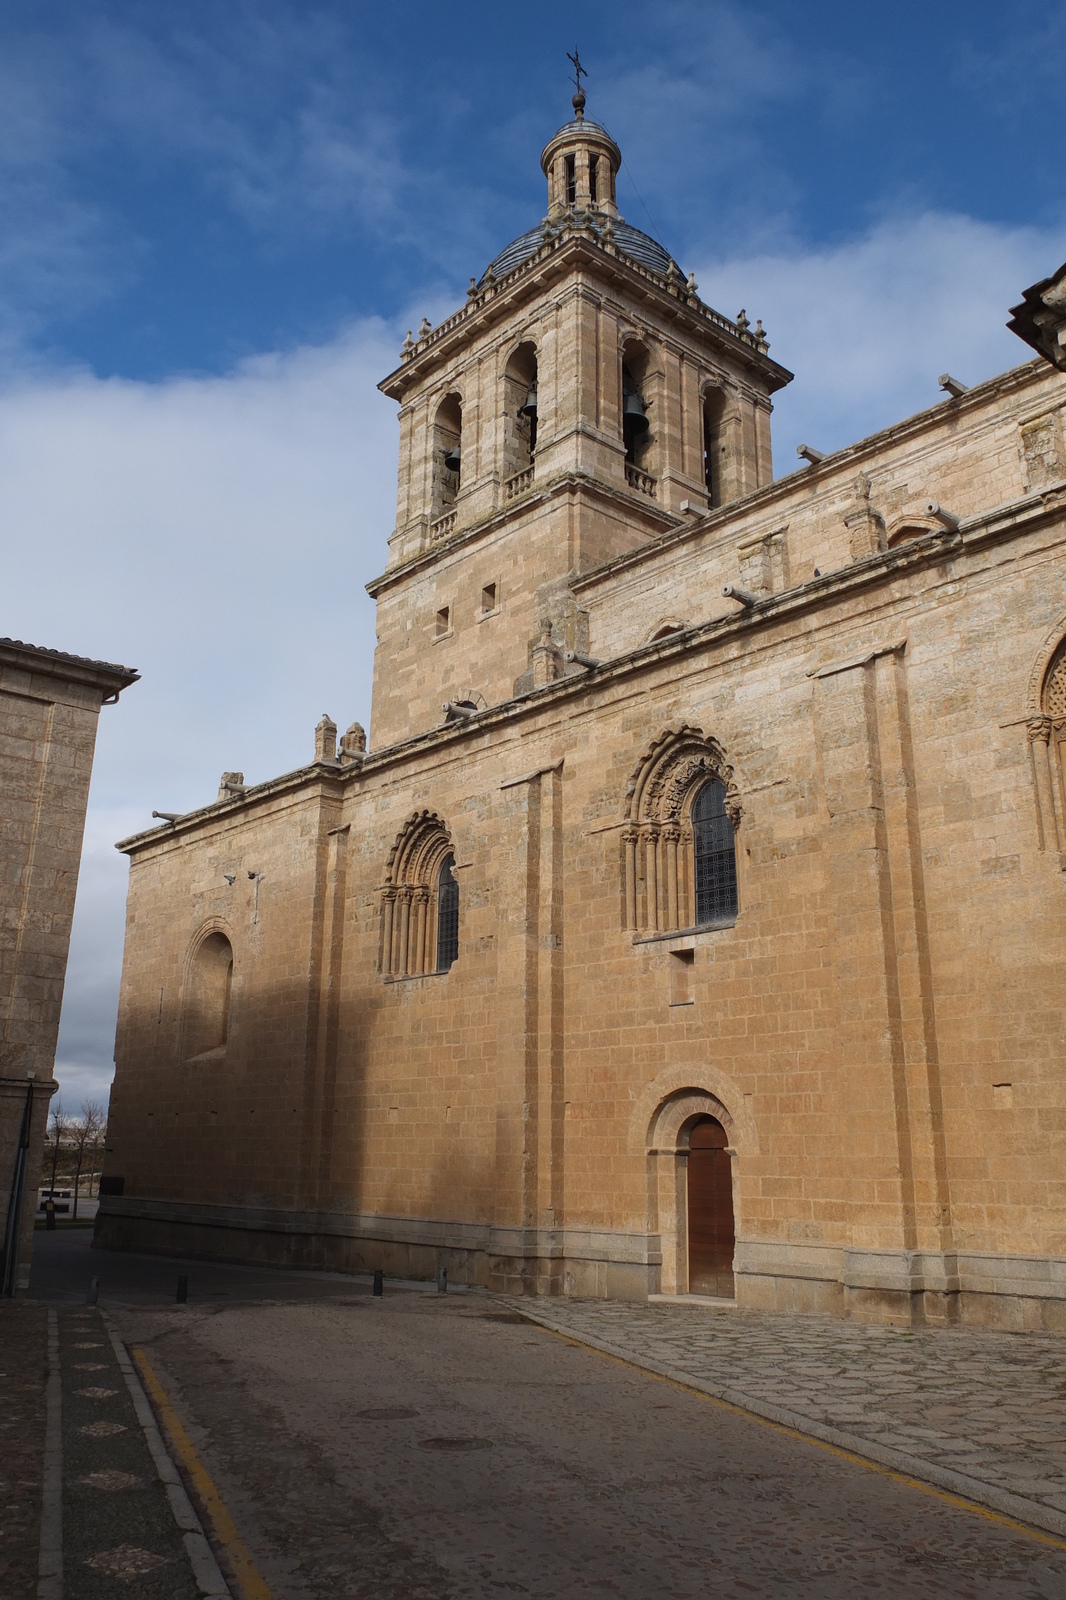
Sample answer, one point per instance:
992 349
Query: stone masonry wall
880 1030
49 706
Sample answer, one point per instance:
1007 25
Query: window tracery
420 901
678 857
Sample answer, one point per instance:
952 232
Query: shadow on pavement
64 1265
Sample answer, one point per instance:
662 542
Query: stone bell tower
582 403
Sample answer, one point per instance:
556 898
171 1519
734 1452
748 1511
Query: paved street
983 1413
422 1445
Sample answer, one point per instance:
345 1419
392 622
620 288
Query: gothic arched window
713 856
420 901
681 811
447 915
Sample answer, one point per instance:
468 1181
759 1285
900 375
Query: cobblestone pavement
978 1412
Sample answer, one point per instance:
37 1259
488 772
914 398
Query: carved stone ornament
669 770
423 838
1054 695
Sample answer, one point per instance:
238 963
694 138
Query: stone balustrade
643 482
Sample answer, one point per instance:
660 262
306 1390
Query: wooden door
710 1211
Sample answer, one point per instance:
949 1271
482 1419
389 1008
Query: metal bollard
442 1281
379 1282
50 1215
183 1288
94 1292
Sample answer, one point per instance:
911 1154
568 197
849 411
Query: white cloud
217 532
868 325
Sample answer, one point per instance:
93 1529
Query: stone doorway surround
662 1119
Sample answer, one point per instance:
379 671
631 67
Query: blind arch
208 989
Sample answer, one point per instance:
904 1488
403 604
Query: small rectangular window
444 621
488 599
594 162
571 181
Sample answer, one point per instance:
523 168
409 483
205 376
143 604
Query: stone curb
1008 1504
50 1559
205 1568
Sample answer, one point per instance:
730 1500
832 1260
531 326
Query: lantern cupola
581 163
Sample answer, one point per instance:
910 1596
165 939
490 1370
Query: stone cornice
630 501
105 675
559 257
327 774
999 524
775 496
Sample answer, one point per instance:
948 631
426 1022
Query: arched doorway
711 1237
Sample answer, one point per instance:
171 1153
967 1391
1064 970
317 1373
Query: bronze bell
451 458
530 407
633 418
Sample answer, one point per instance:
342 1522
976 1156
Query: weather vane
579 71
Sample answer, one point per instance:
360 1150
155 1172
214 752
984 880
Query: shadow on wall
245 1111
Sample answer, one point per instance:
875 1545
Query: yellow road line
808 1438
249 1578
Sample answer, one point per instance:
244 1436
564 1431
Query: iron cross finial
579 71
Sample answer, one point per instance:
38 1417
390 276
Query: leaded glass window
714 856
447 915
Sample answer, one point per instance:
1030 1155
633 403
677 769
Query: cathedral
693 923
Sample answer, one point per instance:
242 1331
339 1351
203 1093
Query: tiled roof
129 673
629 240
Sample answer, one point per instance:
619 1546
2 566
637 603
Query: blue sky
216 221
188 184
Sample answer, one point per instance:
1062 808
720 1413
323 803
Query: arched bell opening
447 454
520 408
714 446
636 425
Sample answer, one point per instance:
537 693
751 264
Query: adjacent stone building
696 920
49 705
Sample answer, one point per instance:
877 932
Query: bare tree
85 1139
58 1127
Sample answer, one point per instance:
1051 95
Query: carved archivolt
1046 729
409 896
1054 695
657 836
